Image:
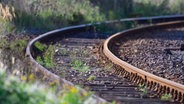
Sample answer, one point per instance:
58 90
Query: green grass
91 78
39 46
48 57
15 91
177 7
143 89
15 46
167 97
18 45
79 65
45 15
47 54
6 27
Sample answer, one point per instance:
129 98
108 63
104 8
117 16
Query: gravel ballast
155 51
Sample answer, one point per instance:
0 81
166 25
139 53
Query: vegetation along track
156 49
85 56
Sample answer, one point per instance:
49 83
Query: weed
167 97
108 66
78 65
140 86
18 45
5 27
47 59
48 56
143 89
62 52
39 46
39 60
91 78
4 43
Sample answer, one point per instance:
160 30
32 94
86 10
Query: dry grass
6 16
7 12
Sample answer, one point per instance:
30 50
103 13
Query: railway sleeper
152 86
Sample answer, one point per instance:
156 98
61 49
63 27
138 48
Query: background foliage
44 15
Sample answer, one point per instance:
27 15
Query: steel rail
153 82
30 51
153 19
51 76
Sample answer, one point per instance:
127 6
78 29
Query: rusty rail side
153 82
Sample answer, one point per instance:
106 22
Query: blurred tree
114 9
127 7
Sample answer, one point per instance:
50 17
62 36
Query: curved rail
153 82
49 75
86 27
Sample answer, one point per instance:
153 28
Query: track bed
78 60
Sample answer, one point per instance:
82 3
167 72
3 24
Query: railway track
100 77
153 82
113 83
